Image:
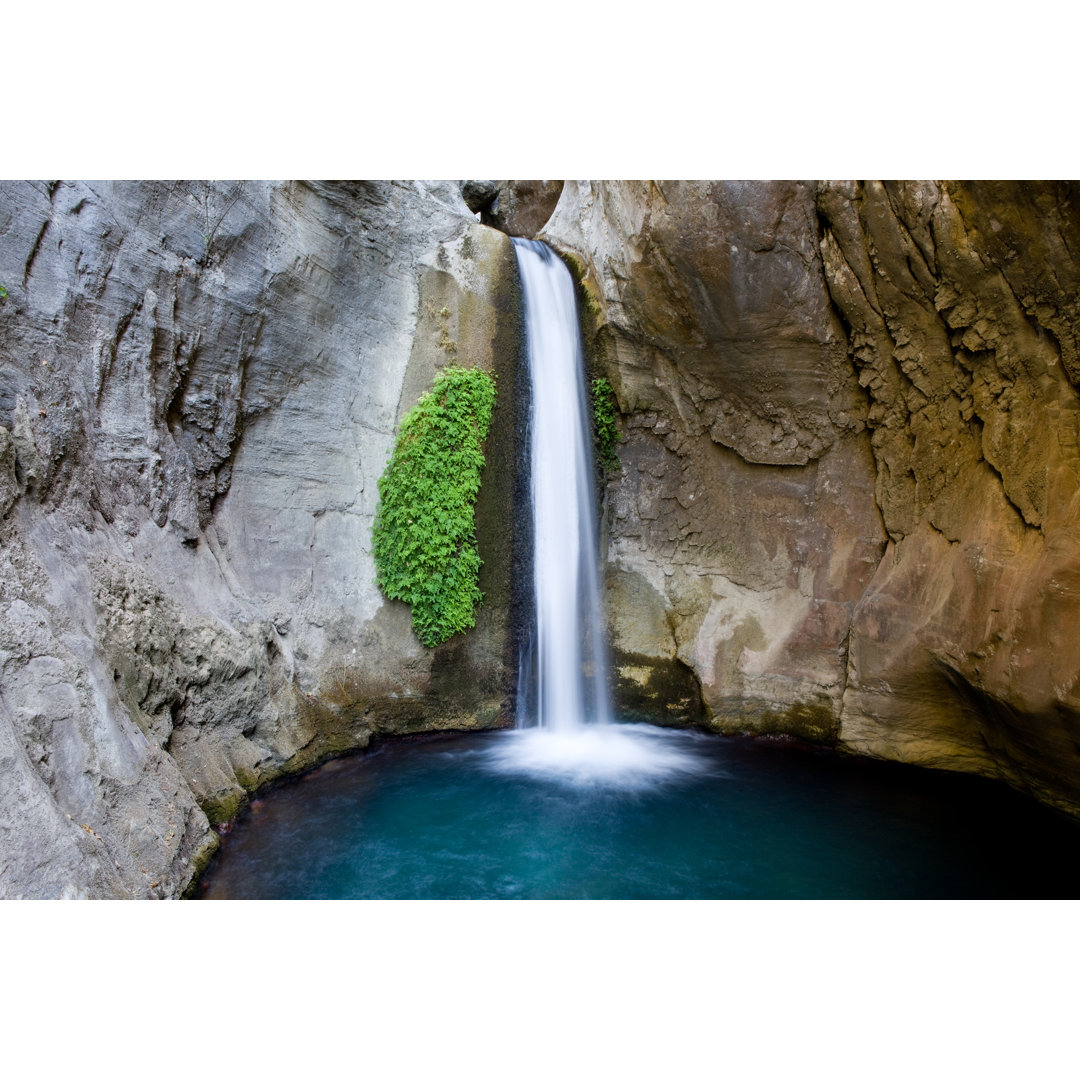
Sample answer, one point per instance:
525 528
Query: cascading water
564 711
566 654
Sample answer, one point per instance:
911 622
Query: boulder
522 207
479 194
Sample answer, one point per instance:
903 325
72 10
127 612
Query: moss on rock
424 536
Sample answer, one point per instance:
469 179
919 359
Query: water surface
484 816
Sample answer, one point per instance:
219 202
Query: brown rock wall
964 649
850 468
744 506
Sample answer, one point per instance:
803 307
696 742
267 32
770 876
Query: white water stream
567 654
564 709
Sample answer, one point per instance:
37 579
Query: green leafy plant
424 536
607 430
3 293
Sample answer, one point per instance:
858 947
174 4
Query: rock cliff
962 312
848 496
742 520
846 509
199 388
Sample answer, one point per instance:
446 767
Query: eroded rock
846 506
743 511
848 494
199 388
962 322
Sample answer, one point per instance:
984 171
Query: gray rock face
199 388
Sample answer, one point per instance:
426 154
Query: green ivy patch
424 536
607 431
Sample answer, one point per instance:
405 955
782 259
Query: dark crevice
914 255
1005 494
1040 328
223 470
174 418
114 349
868 398
856 364
941 532
32 257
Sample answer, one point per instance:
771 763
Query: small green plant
424 536
607 430
3 293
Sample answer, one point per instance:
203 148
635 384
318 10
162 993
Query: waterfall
565 729
565 658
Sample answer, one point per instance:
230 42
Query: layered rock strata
962 310
847 502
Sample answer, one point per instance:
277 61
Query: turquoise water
454 817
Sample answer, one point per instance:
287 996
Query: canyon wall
847 507
962 311
199 388
742 519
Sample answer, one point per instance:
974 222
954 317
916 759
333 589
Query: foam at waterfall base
620 756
